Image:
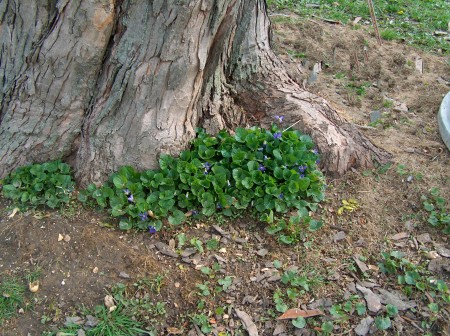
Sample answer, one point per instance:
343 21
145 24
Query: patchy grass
12 297
418 23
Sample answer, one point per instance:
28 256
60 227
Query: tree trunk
106 83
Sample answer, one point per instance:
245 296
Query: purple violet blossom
277 135
302 175
302 169
315 151
280 196
144 216
126 191
151 229
207 167
194 212
130 198
279 118
262 168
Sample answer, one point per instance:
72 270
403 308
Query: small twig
412 322
354 276
279 14
317 23
292 125
374 21
328 20
355 55
365 127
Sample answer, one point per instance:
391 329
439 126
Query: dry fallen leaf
33 286
399 236
174 331
67 238
109 301
295 312
13 213
249 325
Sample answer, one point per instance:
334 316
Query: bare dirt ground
358 77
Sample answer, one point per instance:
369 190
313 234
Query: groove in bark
111 82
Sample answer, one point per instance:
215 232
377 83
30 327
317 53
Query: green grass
12 295
411 21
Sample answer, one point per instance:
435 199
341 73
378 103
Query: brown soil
81 271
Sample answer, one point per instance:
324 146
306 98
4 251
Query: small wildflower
265 157
317 161
130 198
262 168
279 118
280 196
143 216
194 212
219 206
302 175
302 169
126 191
205 172
277 135
207 166
315 151
151 229
228 182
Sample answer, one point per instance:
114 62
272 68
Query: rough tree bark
104 83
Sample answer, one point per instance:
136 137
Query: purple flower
302 169
130 198
144 216
194 212
277 135
302 175
219 206
262 168
280 196
126 191
151 229
207 167
315 151
317 161
279 118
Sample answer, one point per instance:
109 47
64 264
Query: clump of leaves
412 277
348 205
271 170
48 184
438 215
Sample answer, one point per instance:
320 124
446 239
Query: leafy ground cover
379 264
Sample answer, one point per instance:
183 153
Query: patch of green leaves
272 170
414 279
48 184
438 213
